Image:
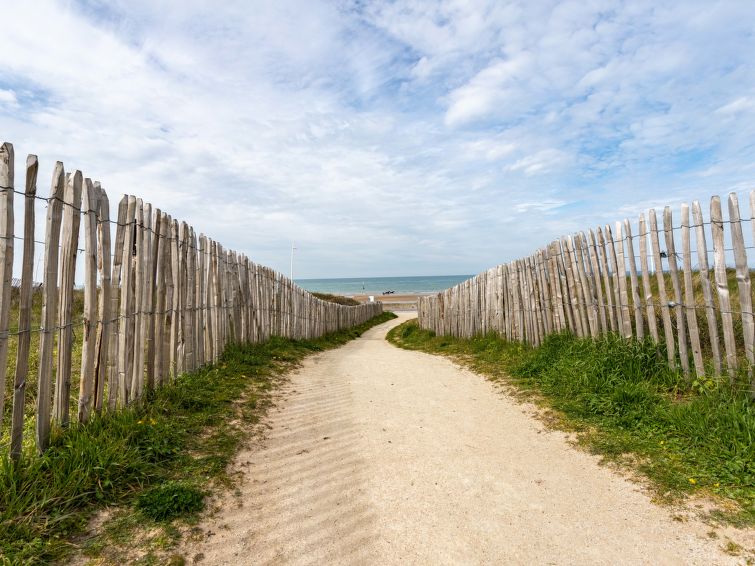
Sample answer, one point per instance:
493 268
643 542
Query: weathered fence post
702 260
87 377
49 306
689 295
7 180
681 332
743 279
722 284
24 312
103 370
71 221
668 330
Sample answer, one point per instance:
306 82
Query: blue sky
387 138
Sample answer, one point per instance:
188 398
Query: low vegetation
169 500
150 465
338 299
77 310
627 405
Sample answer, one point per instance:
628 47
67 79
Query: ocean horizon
350 286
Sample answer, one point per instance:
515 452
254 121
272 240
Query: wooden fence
590 283
159 300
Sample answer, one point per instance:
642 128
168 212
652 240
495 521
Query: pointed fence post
668 329
689 295
90 207
7 180
24 312
49 307
702 260
102 347
722 285
71 222
681 331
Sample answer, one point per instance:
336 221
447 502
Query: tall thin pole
292 261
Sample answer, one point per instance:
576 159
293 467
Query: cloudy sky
386 138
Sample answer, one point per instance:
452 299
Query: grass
627 405
77 314
182 436
169 500
338 299
31 378
699 302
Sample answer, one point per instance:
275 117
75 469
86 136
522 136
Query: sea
378 285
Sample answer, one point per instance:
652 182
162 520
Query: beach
394 302
376 286
405 290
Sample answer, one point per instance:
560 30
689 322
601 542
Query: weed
732 548
338 299
170 500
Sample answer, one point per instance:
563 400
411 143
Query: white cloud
540 206
492 91
8 97
489 148
541 162
360 130
741 104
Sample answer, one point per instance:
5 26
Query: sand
394 298
376 455
394 302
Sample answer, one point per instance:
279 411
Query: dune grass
627 405
338 299
31 377
182 436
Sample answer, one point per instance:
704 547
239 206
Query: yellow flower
152 421
693 481
716 484
140 421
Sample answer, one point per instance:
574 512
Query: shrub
170 500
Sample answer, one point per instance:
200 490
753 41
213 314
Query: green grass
77 314
183 433
699 302
338 299
628 406
31 378
169 500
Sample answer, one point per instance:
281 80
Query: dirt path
377 455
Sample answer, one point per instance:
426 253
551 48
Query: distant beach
376 286
404 290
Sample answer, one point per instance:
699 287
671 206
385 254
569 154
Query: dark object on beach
389 292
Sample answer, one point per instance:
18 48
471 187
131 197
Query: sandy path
377 455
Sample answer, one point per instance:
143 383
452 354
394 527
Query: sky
417 137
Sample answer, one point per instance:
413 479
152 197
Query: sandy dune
377 455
